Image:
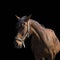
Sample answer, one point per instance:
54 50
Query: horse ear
17 17
29 17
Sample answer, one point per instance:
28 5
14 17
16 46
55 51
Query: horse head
23 30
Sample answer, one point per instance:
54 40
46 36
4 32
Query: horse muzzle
19 43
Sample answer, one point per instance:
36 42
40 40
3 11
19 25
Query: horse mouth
18 44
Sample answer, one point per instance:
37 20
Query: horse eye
24 23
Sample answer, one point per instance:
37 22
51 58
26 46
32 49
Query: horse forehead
24 17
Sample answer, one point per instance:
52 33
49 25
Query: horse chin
18 46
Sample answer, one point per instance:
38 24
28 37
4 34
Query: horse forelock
20 21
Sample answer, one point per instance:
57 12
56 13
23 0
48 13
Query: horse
44 42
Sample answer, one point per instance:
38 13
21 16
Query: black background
47 15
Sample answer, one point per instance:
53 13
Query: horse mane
37 24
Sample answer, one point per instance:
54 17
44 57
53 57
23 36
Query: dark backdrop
48 16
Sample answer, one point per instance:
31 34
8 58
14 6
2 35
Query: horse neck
41 32
38 27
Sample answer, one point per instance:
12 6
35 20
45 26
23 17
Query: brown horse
44 42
